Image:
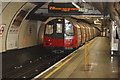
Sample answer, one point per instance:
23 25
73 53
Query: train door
59 33
79 35
84 34
92 33
88 33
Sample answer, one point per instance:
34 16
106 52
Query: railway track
33 67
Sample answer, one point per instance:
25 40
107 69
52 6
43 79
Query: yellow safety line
58 67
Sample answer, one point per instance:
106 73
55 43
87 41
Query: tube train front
65 34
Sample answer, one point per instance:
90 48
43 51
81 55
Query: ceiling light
76 5
83 0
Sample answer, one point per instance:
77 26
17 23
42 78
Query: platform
102 64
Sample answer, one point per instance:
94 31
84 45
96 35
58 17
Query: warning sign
2 29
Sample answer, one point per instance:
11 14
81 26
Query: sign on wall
2 29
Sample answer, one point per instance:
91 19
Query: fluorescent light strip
83 0
76 5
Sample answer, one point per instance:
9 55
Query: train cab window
69 28
59 28
49 29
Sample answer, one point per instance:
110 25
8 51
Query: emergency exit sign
64 8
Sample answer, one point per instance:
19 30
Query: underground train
67 34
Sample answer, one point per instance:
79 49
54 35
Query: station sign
64 8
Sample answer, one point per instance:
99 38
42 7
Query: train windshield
69 28
49 29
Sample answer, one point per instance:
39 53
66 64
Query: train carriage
66 34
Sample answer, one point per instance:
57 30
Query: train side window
59 28
49 29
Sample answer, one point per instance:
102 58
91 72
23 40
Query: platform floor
102 64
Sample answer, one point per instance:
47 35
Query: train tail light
48 40
68 40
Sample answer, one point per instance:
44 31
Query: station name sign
64 8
